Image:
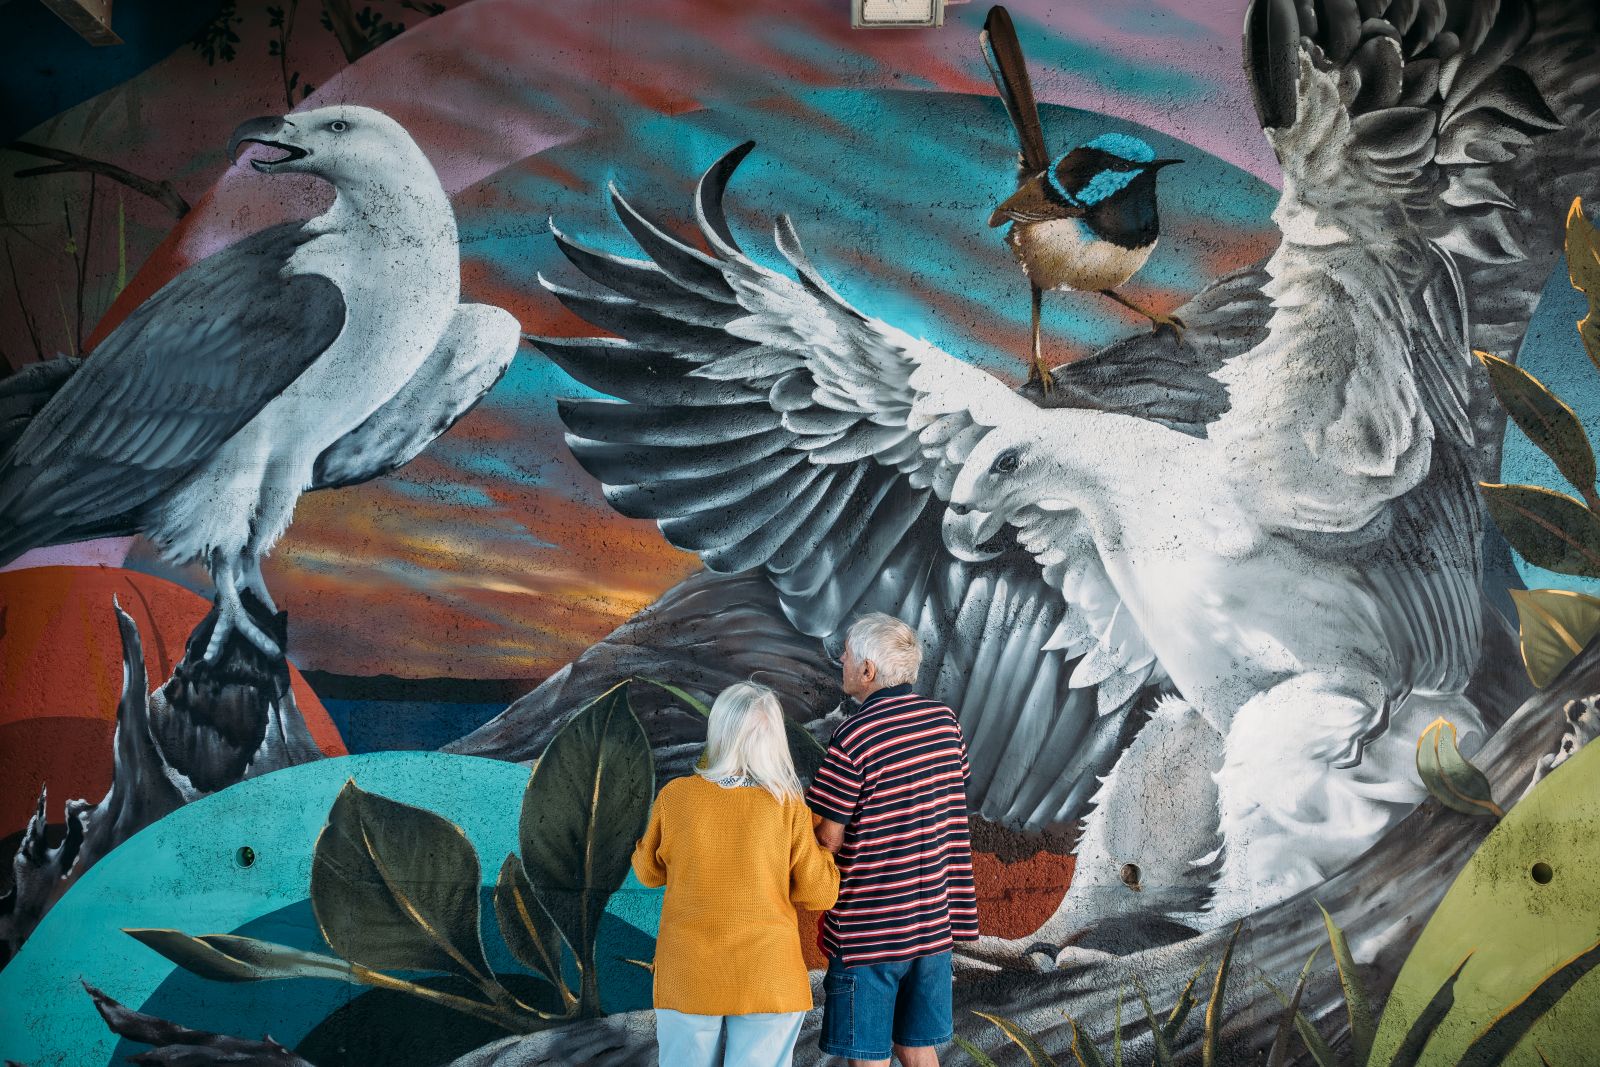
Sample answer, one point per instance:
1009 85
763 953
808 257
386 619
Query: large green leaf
586 806
395 886
1549 423
1450 776
231 958
1491 1047
1548 529
1523 908
1421 1032
528 930
1556 625
1583 267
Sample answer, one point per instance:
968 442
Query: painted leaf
1208 1046
528 930
395 886
1548 529
1523 909
586 806
231 958
1449 775
1555 624
1583 266
1356 1006
1037 1057
1550 424
1416 1040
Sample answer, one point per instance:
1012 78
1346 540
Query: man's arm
830 835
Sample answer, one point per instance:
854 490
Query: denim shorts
869 1008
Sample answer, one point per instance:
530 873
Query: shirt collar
886 693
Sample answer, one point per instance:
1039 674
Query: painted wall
1199 605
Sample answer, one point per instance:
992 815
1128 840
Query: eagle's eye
338 125
1006 462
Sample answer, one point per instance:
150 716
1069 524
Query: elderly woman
734 845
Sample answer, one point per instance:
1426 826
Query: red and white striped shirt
895 775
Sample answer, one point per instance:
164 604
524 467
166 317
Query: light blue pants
759 1040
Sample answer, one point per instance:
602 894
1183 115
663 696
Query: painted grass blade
1083 1049
1278 1056
1158 1038
1181 1010
1321 1054
975 1053
1037 1056
1362 1030
1208 1050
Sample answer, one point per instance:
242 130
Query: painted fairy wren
1086 220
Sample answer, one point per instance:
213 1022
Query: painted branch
161 192
209 726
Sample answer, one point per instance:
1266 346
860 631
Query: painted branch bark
161 192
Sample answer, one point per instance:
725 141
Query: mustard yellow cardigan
736 864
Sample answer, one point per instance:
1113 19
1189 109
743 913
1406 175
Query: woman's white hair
745 740
889 644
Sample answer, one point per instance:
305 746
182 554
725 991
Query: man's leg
858 1010
762 1040
924 1017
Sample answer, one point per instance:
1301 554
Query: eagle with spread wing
1213 590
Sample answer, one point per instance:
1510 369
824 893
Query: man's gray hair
890 644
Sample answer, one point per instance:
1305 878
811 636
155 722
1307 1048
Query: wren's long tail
1003 52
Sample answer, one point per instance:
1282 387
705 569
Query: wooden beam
91 18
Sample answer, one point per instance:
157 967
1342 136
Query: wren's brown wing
1032 202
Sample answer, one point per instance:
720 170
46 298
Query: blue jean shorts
868 1009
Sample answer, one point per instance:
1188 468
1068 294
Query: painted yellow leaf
1583 265
1556 624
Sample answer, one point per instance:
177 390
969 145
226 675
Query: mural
641 348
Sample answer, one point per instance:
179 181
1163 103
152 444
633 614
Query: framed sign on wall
890 14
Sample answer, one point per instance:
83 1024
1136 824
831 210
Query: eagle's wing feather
187 369
765 423
472 355
1336 412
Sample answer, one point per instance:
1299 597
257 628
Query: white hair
745 740
889 644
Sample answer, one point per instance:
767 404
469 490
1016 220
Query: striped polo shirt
895 775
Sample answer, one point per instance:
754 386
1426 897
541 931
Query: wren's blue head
1113 179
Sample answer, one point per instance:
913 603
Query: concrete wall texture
417 412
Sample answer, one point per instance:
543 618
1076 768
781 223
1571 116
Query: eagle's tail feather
1003 52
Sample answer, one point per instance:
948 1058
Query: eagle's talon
1171 322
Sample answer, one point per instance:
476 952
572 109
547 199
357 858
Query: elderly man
891 793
